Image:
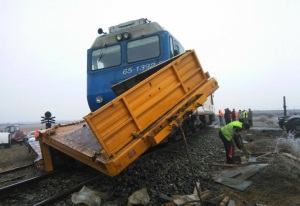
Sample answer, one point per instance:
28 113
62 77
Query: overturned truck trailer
114 136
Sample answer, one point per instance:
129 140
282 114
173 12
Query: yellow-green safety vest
227 130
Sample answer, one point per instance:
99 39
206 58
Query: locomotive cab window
171 47
106 57
176 50
143 49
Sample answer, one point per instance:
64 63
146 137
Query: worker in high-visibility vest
230 134
245 115
36 134
221 117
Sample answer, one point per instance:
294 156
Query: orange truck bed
141 117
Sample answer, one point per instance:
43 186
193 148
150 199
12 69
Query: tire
295 126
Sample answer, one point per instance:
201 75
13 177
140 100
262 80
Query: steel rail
61 195
7 190
16 169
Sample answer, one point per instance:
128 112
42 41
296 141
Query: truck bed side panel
117 123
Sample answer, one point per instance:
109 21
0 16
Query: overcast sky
251 47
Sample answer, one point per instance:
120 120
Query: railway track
69 191
12 188
47 189
15 169
18 174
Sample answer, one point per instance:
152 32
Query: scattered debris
231 203
139 197
237 178
34 147
181 199
238 184
260 157
291 156
218 199
224 201
88 197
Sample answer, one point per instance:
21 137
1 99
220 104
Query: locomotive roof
136 31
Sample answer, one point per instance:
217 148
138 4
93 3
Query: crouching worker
232 133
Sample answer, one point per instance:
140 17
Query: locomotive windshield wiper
100 55
102 52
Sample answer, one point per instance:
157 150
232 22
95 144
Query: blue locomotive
125 51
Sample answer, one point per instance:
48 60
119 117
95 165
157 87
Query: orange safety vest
221 114
36 133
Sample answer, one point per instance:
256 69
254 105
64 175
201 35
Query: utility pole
284 106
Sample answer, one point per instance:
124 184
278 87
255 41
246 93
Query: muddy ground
16 156
276 184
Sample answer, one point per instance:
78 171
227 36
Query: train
141 86
126 50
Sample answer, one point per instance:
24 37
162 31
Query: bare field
262 119
16 156
26 127
30 126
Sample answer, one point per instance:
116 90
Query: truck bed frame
114 136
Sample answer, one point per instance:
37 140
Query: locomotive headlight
99 99
126 35
119 37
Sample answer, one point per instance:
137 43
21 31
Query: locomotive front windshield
106 57
143 49
136 50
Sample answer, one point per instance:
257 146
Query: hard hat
246 125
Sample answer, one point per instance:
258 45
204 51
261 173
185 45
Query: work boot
234 160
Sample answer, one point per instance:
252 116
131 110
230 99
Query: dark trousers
250 122
229 148
227 120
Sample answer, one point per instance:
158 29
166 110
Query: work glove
238 140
